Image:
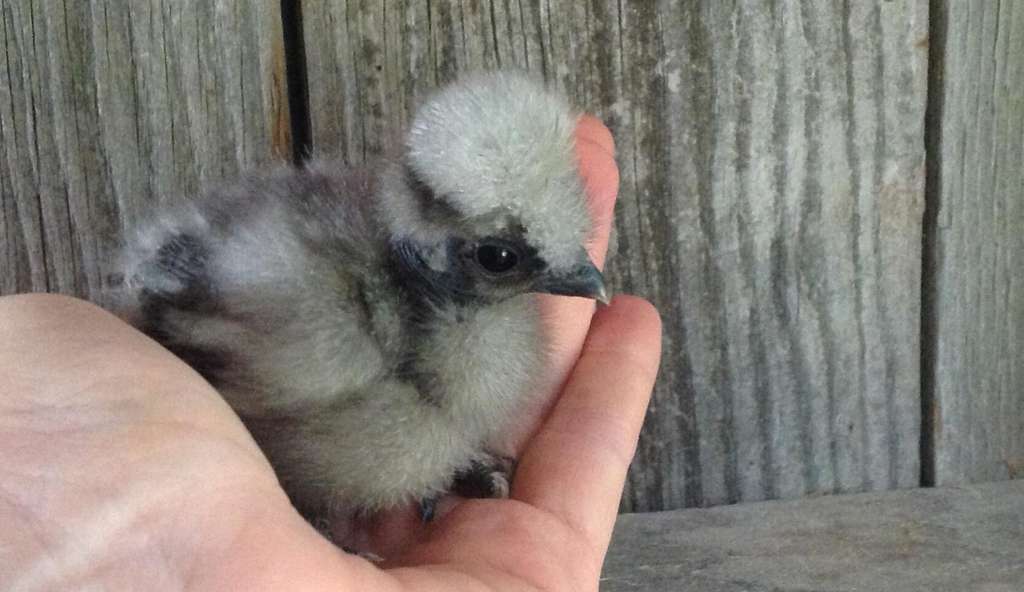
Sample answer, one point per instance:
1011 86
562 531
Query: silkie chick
377 329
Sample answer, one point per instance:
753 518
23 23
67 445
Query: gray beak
583 280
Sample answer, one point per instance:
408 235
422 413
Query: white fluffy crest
501 143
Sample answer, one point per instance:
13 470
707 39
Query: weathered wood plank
931 540
976 242
772 171
108 106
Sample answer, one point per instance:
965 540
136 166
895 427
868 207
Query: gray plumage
361 322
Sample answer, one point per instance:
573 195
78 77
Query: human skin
120 468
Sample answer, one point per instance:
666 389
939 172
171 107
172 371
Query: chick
377 328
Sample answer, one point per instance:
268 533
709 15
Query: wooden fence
825 200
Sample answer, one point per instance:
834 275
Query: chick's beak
584 280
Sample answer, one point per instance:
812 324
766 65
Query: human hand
119 467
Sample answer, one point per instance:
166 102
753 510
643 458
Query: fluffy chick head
486 202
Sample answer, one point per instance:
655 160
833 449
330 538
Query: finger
567 319
593 130
595 152
576 465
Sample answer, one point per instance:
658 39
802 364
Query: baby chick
377 329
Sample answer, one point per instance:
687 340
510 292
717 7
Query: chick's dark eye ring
496 257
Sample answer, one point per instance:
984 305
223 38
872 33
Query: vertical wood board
977 242
109 107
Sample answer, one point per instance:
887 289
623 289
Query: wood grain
108 107
976 241
931 540
772 167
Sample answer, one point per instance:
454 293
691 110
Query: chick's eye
496 258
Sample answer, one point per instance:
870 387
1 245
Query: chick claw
428 508
483 479
489 478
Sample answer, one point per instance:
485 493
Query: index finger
595 153
576 465
567 319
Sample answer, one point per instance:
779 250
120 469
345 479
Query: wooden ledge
966 539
